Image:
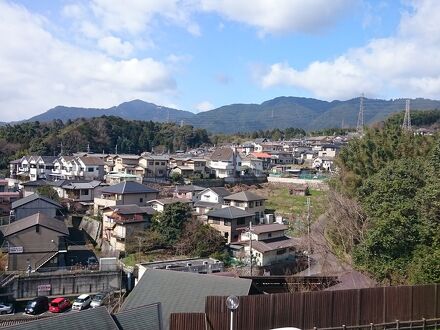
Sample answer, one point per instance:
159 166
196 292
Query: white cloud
39 71
115 46
403 65
204 106
281 16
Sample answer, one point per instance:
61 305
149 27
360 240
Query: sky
198 55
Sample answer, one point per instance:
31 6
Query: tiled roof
274 244
168 201
230 212
36 219
180 292
189 188
260 229
90 161
128 209
244 196
93 318
222 154
221 191
128 187
261 154
140 318
32 198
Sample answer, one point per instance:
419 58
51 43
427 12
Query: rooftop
230 212
36 219
128 187
244 196
222 154
31 198
261 229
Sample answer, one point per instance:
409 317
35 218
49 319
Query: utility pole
116 149
249 232
139 248
406 126
309 248
360 122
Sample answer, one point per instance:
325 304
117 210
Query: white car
6 309
82 302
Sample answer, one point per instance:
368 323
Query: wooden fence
323 309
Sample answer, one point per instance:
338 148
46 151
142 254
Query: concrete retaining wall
316 184
27 287
92 227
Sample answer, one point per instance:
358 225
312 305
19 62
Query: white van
82 302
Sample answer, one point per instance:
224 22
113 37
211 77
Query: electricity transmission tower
360 122
406 126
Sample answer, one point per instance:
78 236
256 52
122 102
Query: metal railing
396 325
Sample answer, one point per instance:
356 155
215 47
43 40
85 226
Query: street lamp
232 303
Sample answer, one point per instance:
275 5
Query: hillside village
83 212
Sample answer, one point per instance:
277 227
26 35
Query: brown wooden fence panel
288 309
317 309
398 303
423 302
346 305
187 321
216 313
254 312
371 306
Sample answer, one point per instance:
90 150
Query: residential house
246 148
323 163
14 168
210 199
154 166
281 157
36 241
328 150
6 200
63 168
3 185
159 205
230 221
249 202
225 162
77 191
188 166
124 193
187 191
35 203
40 167
252 165
268 147
264 157
122 222
116 177
31 187
89 168
269 244
128 164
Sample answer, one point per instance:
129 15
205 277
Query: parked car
99 299
92 263
6 308
37 306
59 305
82 302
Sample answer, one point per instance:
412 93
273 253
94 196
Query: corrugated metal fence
324 309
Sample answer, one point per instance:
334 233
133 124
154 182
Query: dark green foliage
176 177
200 240
170 223
49 192
394 177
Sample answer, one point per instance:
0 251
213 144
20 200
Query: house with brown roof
154 166
36 241
122 222
225 162
89 168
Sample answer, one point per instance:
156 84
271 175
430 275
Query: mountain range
281 112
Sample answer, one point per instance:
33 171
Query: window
150 163
269 235
85 192
157 163
282 251
162 163
141 200
226 235
90 169
241 221
215 221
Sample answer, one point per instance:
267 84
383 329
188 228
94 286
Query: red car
59 305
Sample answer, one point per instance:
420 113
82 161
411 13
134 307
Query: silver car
99 299
6 308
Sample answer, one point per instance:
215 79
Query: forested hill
282 112
384 213
101 134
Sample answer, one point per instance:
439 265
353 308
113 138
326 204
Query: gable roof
230 212
93 318
33 197
36 183
222 154
91 160
268 228
128 187
261 154
36 219
181 291
168 201
221 191
128 209
140 318
189 188
245 196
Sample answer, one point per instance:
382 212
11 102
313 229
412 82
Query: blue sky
201 54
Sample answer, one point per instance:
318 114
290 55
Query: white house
225 162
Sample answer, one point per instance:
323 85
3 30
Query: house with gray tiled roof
229 221
225 162
123 193
249 202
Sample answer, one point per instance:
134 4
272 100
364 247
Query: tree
176 177
170 223
200 240
49 192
